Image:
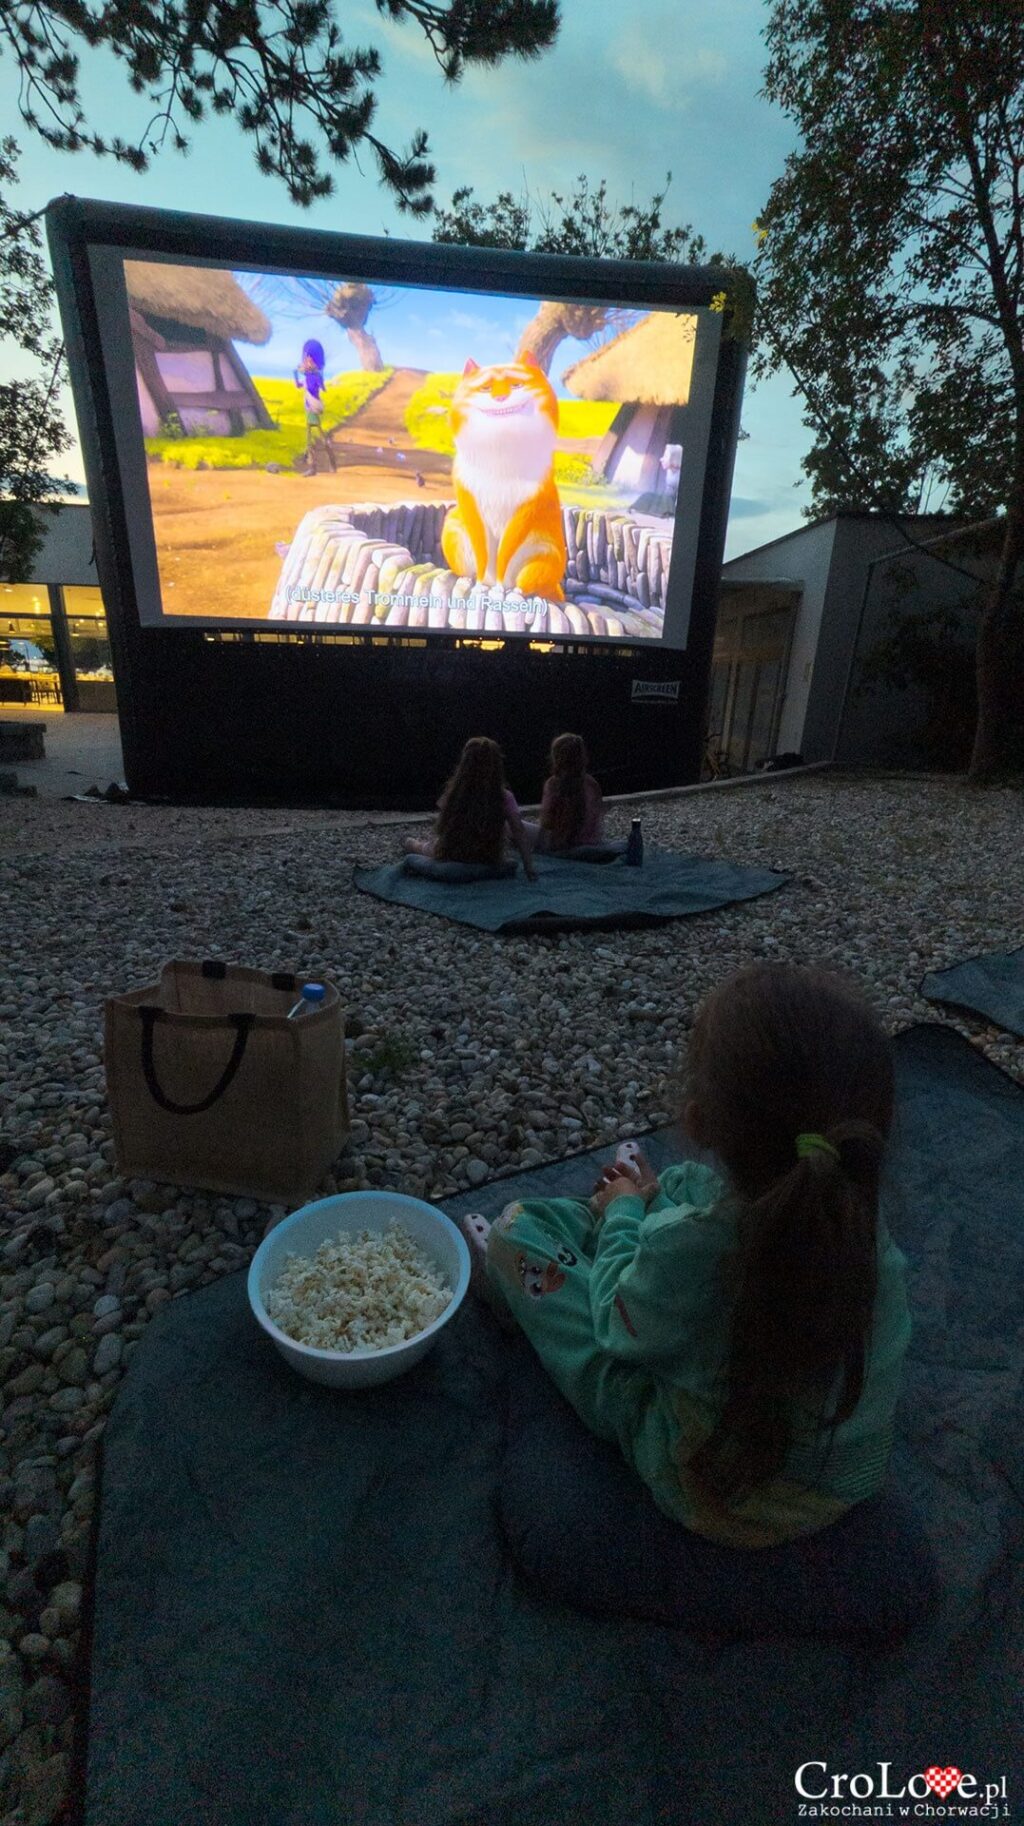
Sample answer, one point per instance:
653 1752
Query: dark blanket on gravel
305 1610
577 896
992 986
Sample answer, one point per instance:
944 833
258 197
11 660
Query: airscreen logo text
935 1793
655 691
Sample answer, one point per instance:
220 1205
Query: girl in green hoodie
739 1333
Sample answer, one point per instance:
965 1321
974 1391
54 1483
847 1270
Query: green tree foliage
279 68
583 222
891 278
927 652
32 429
579 221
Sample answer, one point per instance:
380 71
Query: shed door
748 682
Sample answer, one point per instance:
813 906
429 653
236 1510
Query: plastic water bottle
311 998
635 846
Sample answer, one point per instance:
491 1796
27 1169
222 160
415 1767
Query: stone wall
414 524
382 567
615 559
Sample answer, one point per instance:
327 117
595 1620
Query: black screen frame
168 752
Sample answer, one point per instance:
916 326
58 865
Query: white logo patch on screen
655 691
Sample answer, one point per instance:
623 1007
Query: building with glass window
54 650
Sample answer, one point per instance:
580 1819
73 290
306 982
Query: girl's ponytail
567 806
803 1279
471 811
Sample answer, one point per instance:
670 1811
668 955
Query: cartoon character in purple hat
309 375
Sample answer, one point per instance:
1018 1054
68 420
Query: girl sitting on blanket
571 810
475 811
740 1337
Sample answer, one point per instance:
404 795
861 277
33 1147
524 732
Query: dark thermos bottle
635 846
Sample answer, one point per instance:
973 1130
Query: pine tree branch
277 67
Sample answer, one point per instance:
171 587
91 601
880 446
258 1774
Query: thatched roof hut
649 369
650 364
184 322
200 297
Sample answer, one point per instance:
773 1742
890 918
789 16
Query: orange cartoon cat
506 525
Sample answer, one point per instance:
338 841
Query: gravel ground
469 1057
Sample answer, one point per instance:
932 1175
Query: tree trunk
554 322
366 348
541 344
999 736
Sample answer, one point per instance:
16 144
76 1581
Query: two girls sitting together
738 1332
477 811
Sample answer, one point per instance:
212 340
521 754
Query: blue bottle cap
313 992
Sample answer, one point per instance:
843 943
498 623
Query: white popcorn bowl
350 1212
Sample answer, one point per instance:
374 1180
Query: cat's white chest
496 496
502 465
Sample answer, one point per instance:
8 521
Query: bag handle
214 970
242 1024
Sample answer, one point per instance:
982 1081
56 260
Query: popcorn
359 1293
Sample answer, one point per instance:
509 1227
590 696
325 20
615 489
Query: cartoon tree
558 319
350 306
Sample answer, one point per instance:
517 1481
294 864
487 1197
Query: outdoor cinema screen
406 459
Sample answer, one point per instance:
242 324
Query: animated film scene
398 458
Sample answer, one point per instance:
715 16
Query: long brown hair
567 810
776 1052
471 810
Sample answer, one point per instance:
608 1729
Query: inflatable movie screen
402 460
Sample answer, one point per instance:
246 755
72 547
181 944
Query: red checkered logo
942 1781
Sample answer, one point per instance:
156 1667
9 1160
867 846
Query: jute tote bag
211 1085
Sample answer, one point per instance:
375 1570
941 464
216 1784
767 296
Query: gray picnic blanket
305 1612
568 895
991 985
